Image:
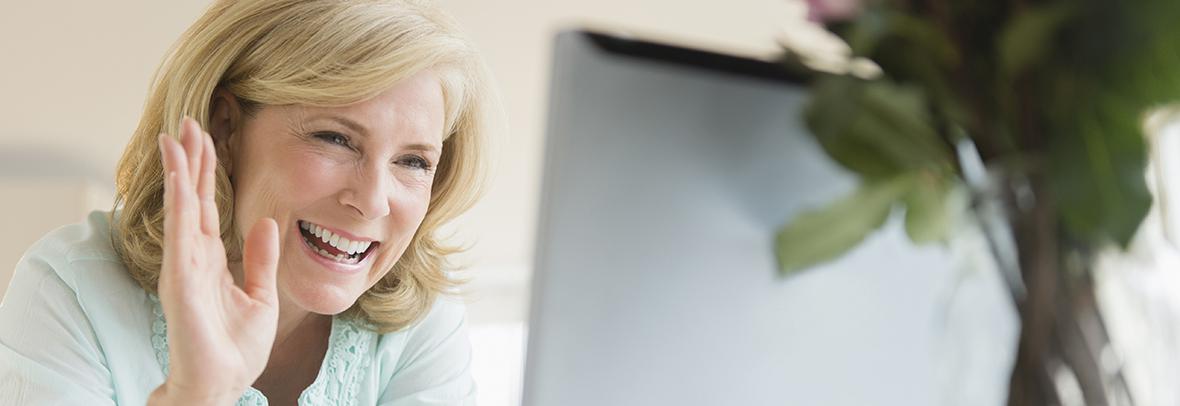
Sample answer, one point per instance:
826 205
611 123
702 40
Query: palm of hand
219 335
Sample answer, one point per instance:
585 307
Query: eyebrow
352 125
360 129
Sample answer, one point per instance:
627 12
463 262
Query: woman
288 254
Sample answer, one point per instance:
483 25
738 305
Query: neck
296 325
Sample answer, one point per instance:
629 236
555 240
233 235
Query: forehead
413 108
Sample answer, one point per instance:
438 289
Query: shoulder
447 315
73 266
429 360
67 249
446 311
69 308
89 239
74 251
443 329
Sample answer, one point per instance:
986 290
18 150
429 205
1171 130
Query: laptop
667 172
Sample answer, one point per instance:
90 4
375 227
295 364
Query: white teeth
337 258
343 244
347 259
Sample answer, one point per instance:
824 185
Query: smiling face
348 186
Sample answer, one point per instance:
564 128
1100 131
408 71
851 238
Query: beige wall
515 36
75 73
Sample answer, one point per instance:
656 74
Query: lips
335 251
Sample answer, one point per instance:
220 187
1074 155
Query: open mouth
333 246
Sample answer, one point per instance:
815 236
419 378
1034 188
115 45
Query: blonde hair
319 53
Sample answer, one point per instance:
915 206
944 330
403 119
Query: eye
416 162
333 138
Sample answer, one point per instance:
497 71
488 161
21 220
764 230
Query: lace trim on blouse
338 380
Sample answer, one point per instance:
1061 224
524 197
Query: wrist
170 393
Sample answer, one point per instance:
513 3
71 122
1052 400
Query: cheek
408 211
310 173
283 182
412 199
415 182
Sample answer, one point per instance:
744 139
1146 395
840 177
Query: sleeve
435 368
49 354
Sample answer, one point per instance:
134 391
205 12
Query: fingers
179 205
260 260
190 137
207 188
194 159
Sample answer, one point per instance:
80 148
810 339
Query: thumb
260 260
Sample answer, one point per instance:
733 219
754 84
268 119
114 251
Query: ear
225 122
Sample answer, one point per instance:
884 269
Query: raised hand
219 335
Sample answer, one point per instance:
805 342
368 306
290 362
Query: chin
327 300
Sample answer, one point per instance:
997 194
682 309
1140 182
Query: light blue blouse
75 329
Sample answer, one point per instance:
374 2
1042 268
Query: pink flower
823 11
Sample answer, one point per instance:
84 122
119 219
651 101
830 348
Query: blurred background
75 76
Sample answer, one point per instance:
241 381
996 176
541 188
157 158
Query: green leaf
876 129
864 33
1097 173
1027 39
825 233
927 215
1116 62
905 111
878 26
832 116
924 38
919 54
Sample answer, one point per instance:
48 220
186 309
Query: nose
368 192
